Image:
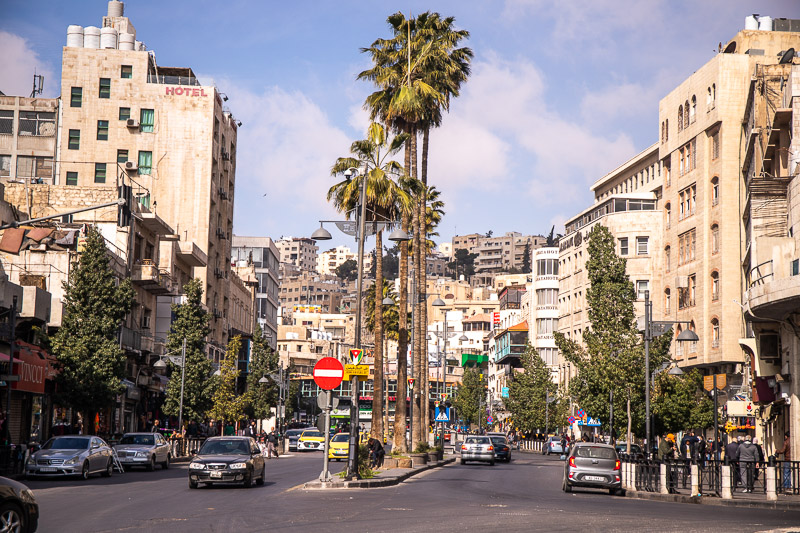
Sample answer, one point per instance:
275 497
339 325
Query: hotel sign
575 240
184 91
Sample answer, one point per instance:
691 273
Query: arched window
662 132
715 285
715 244
693 111
686 114
715 333
713 95
708 100
680 118
668 215
667 301
666 130
714 190
667 258
678 345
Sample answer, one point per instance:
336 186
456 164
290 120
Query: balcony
191 254
774 283
155 224
151 278
131 339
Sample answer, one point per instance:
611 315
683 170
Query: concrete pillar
770 477
664 489
695 472
726 483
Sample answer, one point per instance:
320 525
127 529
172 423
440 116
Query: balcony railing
760 273
172 80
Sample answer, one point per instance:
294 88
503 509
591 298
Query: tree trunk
423 274
420 405
628 435
377 383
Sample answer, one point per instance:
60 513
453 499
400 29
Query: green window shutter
72 178
124 113
74 139
122 156
145 162
147 120
126 72
105 88
99 172
76 97
102 130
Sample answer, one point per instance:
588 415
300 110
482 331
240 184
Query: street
523 495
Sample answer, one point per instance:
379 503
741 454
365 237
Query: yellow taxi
340 445
311 439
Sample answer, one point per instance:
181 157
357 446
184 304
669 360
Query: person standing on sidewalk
786 451
730 458
747 455
272 440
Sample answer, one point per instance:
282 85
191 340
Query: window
76 97
642 245
666 130
693 110
147 120
74 142
667 259
37 123
715 285
686 114
145 162
715 239
680 118
708 100
668 214
5 165
688 201
126 72
124 113
102 130
122 156
34 167
547 267
546 326
686 245
546 296
714 333
715 146
667 173
99 172
714 190
623 246
667 301
105 88
642 286
794 267
72 178
692 289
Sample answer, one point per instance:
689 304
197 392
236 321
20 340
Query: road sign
490 419
504 392
356 354
442 414
328 373
580 413
356 370
708 382
410 383
571 420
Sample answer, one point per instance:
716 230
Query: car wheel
566 486
491 463
108 471
11 518
260 480
165 464
152 464
192 484
463 462
85 470
612 492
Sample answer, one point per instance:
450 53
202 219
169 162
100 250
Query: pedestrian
262 446
747 455
272 441
666 448
787 461
376 453
251 430
700 449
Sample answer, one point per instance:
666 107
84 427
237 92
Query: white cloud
18 63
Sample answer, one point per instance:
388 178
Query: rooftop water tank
108 38
91 37
751 22
139 46
115 8
765 23
127 41
75 36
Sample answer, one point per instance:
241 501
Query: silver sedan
143 449
70 455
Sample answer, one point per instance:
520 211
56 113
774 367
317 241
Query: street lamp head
687 335
321 234
463 338
399 235
387 301
675 371
263 380
350 172
160 365
438 302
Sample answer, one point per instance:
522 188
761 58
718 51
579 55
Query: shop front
31 384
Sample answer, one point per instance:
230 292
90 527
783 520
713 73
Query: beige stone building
329 260
323 292
297 253
28 128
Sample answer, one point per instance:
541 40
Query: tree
263 361
526 259
469 397
90 361
489 234
463 263
228 406
191 323
680 403
551 240
391 318
391 263
528 392
347 271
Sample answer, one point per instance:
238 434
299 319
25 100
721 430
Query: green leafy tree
463 263
228 406
191 323
348 270
263 361
526 259
470 395
391 318
90 361
680 403
527 393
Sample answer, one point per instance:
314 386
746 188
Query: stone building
329 260
261 253
323 292
28 128
297 253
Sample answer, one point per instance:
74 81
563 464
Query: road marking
494 505
396 509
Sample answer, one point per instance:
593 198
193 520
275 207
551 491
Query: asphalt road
522 496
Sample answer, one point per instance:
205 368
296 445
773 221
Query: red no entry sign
328 373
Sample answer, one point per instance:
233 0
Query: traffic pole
326 476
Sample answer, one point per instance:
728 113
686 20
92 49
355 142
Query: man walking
271 442
730 458
787 461
747 455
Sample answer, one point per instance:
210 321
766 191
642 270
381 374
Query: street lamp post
181 362
442 385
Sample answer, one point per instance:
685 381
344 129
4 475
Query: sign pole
325 477
716 424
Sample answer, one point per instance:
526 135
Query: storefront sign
32 368
184 91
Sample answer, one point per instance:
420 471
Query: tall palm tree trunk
377 383
419 405
423 271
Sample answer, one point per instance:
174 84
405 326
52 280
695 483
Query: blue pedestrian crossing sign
442 414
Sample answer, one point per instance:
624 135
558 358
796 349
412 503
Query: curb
375 482
707 500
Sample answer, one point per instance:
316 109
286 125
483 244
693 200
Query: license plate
48 469
594 478
216 474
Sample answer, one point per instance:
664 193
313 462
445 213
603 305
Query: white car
143 449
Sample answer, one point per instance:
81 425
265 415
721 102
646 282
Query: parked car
552 445
502 448
477 448
311 439
227 460
339 445
592 465
81 455
143 449
292 436
19 512
636 450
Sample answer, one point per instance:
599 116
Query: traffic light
124 210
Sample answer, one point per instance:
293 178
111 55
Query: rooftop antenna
38 84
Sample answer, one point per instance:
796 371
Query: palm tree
386 199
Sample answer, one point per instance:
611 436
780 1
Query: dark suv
227 460
502 449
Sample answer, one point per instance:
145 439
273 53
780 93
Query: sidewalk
784 503
384 478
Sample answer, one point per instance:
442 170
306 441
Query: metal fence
788 477
647 475
710 473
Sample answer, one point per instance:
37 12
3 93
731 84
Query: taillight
572 462
491 448
617 465
463 447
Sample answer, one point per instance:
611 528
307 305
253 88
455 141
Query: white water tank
75 36
91 37
765 23
751 22
115 8
108 38
127 41
140 46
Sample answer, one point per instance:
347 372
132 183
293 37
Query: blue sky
561 92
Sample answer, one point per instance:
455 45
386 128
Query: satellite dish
731 48
787 57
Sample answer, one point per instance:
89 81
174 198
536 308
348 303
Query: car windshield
555 439
499 440
67 443
595 452
340 437
225 447
314 433
141 440
294 432
478 440
635 448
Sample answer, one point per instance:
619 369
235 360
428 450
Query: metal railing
710 476
760 272
172 80
647 475
787 477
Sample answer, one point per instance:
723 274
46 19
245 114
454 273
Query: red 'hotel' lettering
178 91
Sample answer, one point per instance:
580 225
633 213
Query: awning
32 367
473 359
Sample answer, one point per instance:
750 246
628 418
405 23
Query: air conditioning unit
682 282
131 166
132 123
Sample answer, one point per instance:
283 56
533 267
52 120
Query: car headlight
237 466
141 454
73 461
196 466
26 495
31 460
